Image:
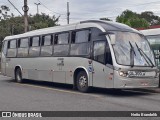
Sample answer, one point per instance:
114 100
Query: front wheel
18 75
82 82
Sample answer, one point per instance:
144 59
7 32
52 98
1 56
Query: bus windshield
125 42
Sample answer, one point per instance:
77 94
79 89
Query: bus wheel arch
18 74
78 72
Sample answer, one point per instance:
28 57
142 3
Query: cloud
86 9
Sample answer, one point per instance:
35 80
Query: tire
82 82
18 75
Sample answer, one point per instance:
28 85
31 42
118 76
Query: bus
90 53
153 36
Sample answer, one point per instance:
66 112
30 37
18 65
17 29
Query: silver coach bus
89 53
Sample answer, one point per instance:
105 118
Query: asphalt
44 96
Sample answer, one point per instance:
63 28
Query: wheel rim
82 81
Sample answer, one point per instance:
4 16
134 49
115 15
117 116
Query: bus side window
47 40
34 49
56 39
63 38
61 44
5 47
80 43
82 36
96 34
73 37
35 41
23 47
12 48
46 45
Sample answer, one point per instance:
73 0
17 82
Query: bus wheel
18 76
82 82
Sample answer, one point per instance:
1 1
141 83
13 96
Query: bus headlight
123 74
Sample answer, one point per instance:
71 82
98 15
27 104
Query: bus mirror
112 38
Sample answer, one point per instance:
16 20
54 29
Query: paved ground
43 96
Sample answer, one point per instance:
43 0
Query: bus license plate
141 74
136 73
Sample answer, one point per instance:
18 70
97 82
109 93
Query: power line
15 7
49 9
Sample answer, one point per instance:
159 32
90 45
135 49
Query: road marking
65 91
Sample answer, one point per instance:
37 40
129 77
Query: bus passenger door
102 73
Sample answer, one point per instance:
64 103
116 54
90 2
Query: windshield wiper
144 55
132 53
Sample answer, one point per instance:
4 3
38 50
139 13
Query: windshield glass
122 47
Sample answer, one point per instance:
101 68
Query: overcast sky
85 9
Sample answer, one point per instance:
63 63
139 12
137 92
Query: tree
4 12
12 25
132 19
150 17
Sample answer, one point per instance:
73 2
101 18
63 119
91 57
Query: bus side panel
103 76
10 67
73 63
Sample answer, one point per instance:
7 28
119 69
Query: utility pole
68 13
37 7
25 9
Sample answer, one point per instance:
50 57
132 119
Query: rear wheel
82 82
18 75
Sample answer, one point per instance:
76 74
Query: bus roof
105 25
150 32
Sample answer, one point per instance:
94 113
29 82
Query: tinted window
46 50
63 38
99 51
23 43
80 44
108 56
12 44
34 51
60 50
11 52
22 52
47 40
96 34
82 36
35 41
80 49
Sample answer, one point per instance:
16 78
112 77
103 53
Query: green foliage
11 25
132 19
150 17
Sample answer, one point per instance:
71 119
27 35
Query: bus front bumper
136 82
